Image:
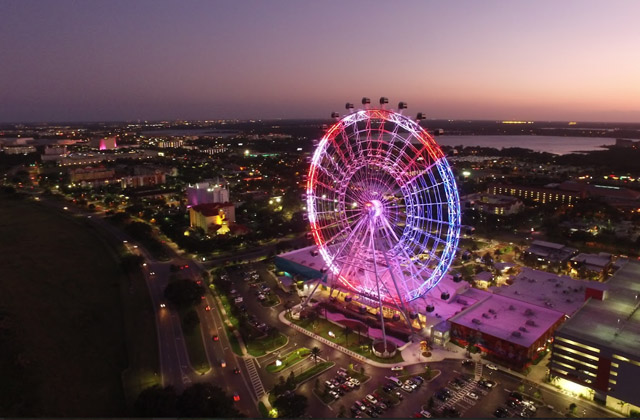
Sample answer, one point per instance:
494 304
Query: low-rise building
596 353
493 204
213 217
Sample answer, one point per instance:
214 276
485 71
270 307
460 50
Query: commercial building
542 195
144 178
596 353
493 204
106 143
508 329
93 176
549 252
207 192
213 217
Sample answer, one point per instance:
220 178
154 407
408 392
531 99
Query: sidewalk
411 352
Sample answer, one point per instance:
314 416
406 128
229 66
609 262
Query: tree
573 407
315 352
184 293
156 402
342 411
206 400
190 321
291 405
346 331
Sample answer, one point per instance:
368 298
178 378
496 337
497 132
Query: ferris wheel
383 205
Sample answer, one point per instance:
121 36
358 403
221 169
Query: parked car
472 395
491 366
371 399
425 414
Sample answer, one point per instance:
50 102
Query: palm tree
315 352
347 330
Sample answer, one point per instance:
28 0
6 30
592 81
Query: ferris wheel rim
383 183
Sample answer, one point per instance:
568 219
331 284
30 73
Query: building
545 252
207 192
93 176
106 143
144 178
596 353
213 217
592 266
493 204
510 330
542 195
19 149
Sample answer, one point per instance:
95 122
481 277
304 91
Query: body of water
552 144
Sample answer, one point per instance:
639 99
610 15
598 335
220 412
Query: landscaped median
345 337
288 360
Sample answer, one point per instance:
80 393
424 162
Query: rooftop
541 288
614 322
509 319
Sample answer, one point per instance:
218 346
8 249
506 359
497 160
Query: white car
425 414
410 383
355 381
472 395
371 399
334 394
407 388
492 367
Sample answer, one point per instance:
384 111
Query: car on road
236 371
163 305
236 397
425 414
215 337
397 368
485 383
468 362
472 395
207 308
491 366
223 363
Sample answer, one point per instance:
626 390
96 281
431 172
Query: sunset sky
126 60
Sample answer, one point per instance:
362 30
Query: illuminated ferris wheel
383 205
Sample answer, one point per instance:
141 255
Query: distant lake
552 144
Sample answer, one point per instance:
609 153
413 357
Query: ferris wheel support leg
375 270
402 307
306 301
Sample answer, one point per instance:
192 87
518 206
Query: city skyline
96 61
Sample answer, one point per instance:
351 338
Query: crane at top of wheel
382 204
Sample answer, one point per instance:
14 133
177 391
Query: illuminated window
624 359
576 360
575 343
558 346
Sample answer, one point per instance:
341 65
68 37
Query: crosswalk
254 377
460 400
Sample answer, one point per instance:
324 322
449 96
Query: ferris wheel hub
374 207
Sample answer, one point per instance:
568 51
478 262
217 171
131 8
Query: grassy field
195 348
361 345
62 318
